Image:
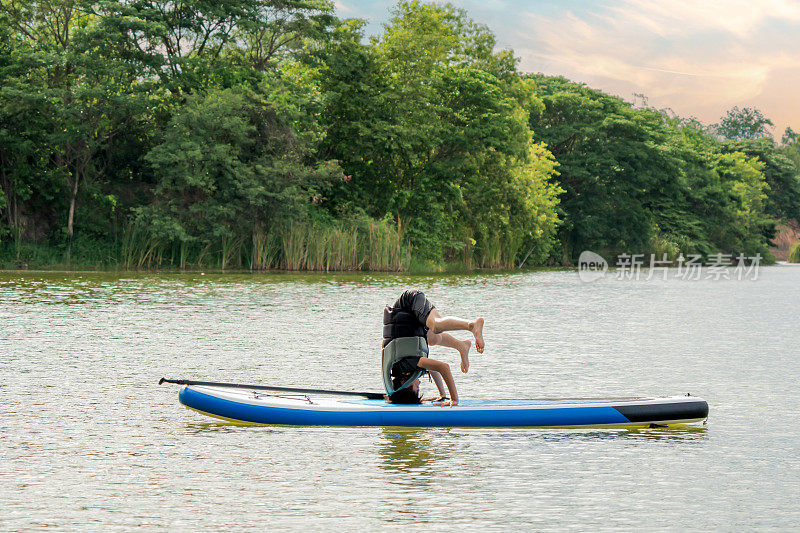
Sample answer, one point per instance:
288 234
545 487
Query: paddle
369 395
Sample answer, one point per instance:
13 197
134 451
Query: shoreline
444 272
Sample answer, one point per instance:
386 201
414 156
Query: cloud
343 9
698 57
677 17
692 56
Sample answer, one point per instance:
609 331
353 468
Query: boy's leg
439 324
447 340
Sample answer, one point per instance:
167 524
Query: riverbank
434 149
447 270
359 245
343 245
33 257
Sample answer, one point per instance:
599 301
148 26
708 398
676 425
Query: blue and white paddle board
259 407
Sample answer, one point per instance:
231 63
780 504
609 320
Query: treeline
271 134
645 180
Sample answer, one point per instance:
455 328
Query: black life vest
399 323
403 336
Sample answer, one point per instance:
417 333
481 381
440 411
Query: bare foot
476 328
464 351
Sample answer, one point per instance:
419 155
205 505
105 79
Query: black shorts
415 302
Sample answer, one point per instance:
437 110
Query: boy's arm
444 369
437 378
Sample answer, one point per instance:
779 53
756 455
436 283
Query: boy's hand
434 400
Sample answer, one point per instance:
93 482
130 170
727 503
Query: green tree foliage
790 148
270 134
639 180
430 123
71 103
231 165
781 172
748 131
613 164
720 203
195 44
740 124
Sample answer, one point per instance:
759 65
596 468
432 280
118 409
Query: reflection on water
217 427
677 434
414 452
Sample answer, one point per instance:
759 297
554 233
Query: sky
696 57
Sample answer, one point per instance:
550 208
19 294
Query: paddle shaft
369 395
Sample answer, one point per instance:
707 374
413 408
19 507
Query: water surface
90 441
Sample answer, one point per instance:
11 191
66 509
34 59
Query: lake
90 441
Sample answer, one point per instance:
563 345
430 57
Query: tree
194 44
781 173
789 137
613 166
230 165
429 122
790 149
61 82
642 180
746 123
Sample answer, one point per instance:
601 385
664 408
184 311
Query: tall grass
661 246
264 250
492 251
138 248
341 245
362 244
794 253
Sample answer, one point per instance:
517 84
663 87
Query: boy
409 327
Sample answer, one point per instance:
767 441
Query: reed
264 251
501 249
794 253
363 244
231 252
467 254
512 246
358 244
490 252
661 245
138 248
